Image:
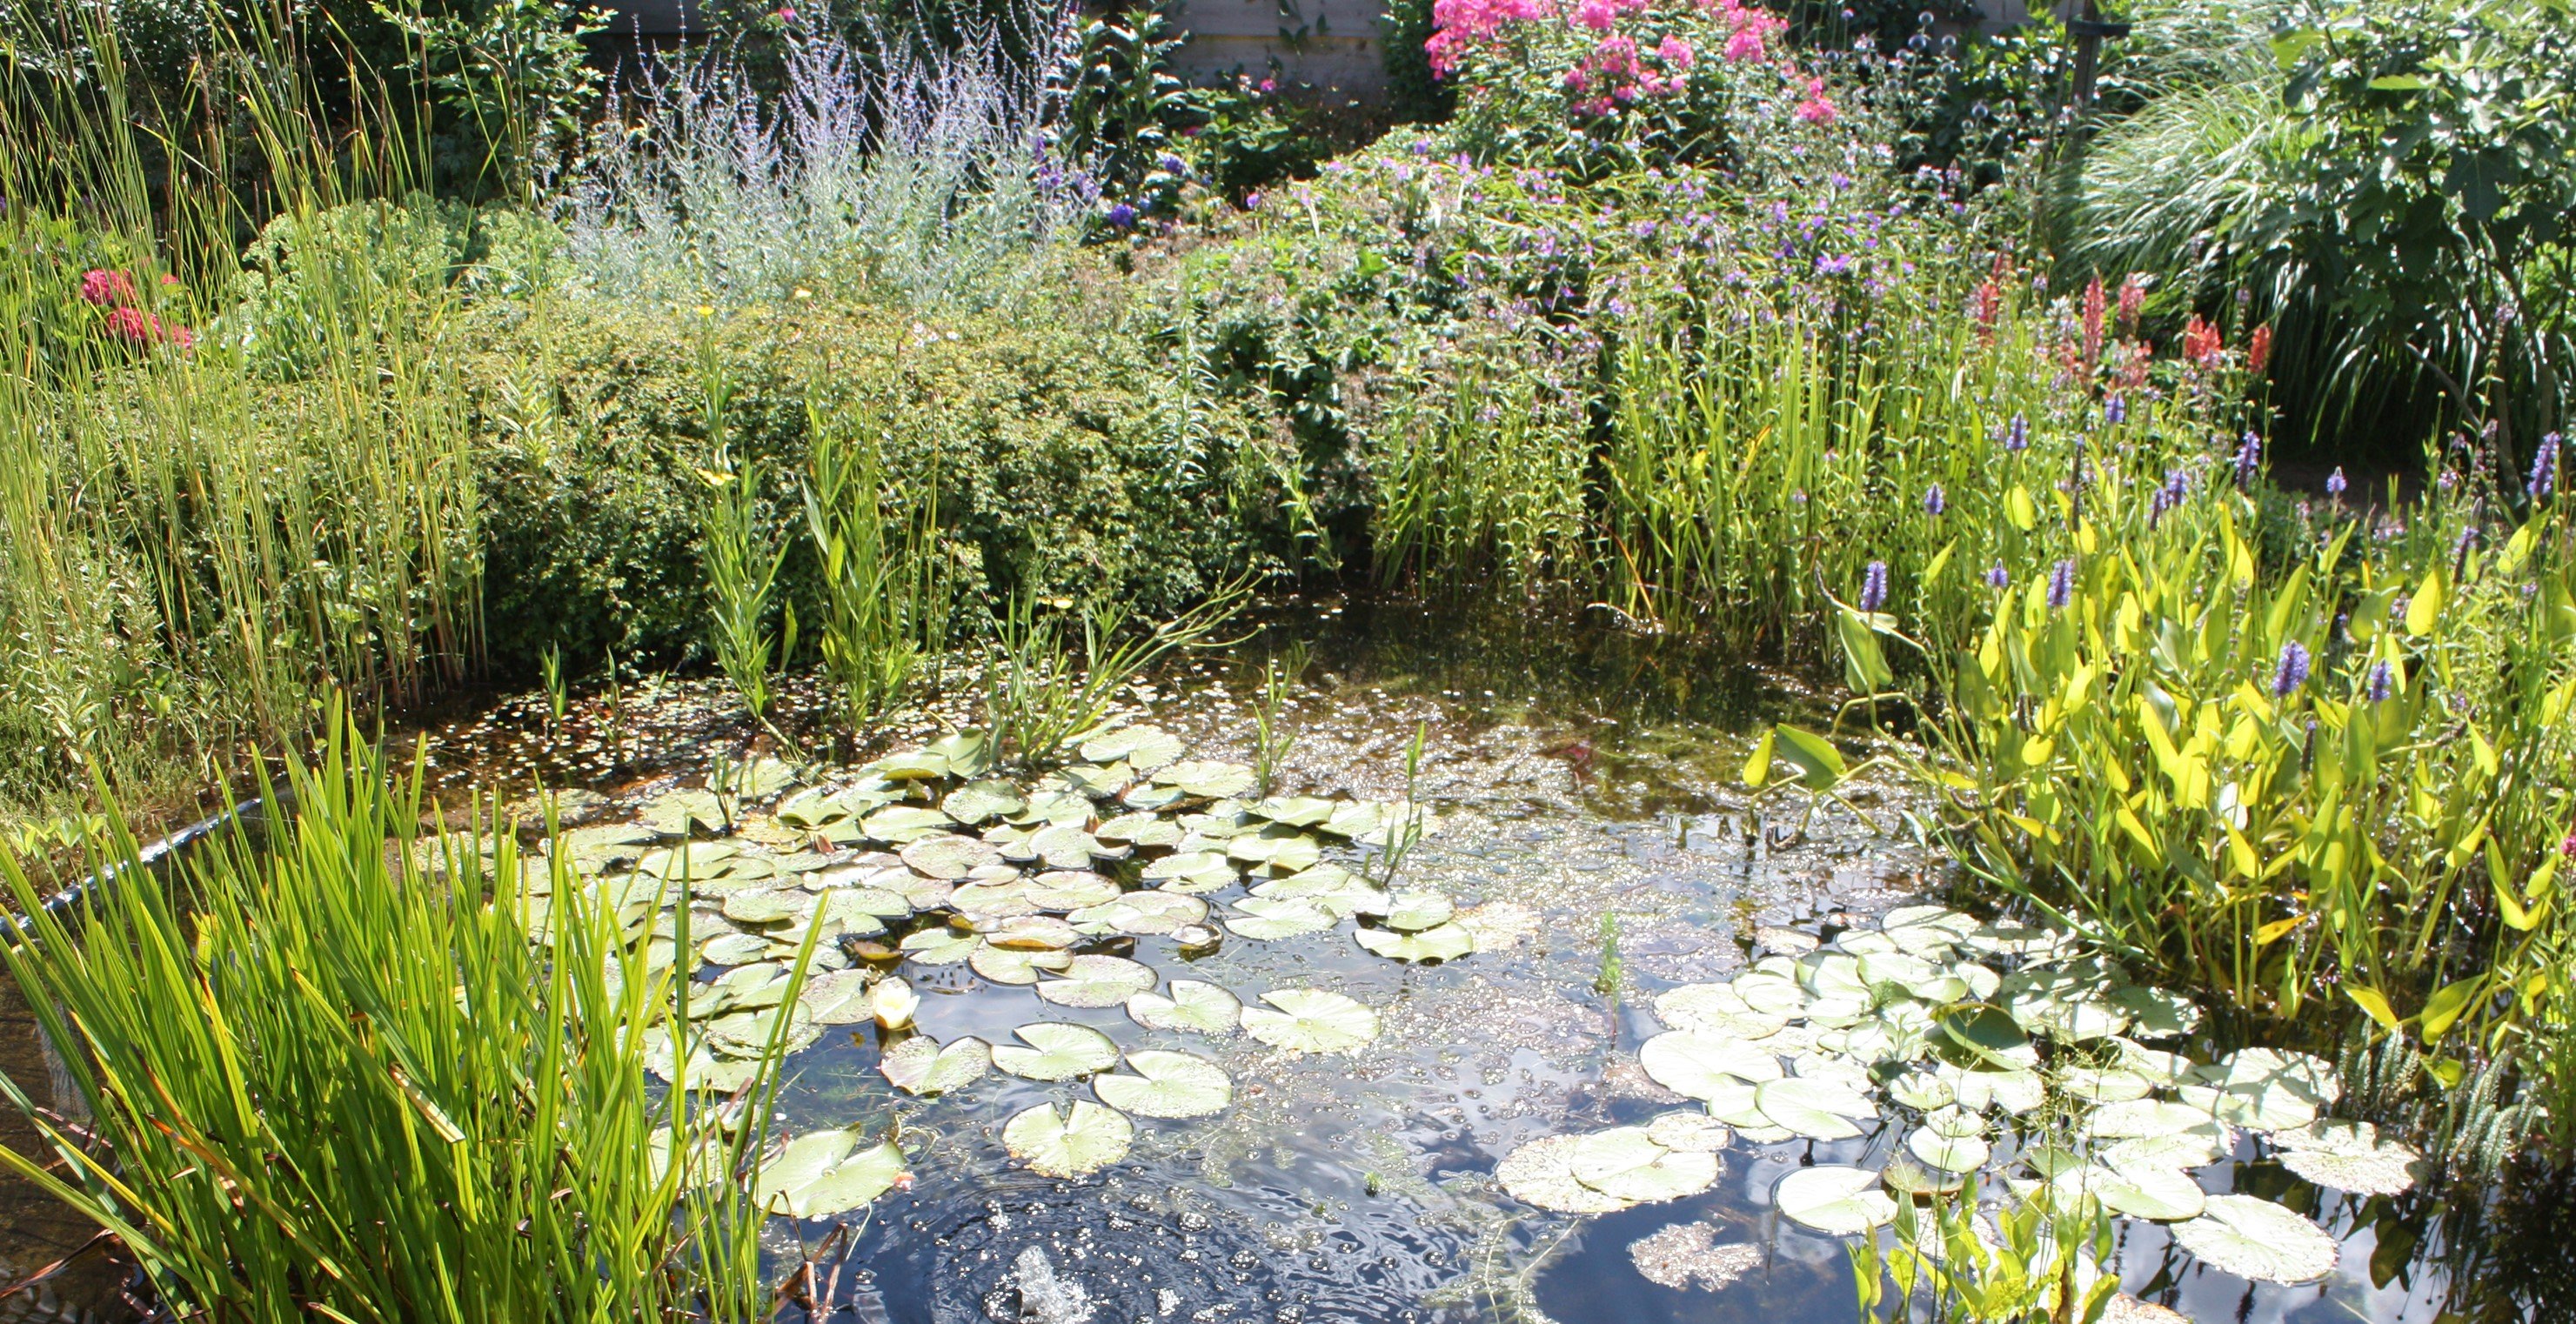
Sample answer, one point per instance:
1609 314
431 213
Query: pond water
1570 772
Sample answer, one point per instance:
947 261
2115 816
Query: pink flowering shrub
1596 86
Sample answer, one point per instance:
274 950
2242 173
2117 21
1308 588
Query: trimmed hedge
1073 458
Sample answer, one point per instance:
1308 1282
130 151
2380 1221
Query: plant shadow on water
1573 771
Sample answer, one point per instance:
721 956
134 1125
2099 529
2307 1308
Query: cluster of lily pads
930 859
2000 1051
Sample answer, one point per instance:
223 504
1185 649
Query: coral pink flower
1818 108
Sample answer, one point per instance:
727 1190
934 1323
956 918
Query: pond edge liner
250 817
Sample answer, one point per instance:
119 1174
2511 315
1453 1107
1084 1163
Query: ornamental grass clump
334 1078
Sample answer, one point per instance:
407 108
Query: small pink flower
1675 52
102 287
1745 47
1598 15
1818 108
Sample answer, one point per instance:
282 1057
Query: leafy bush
1067 457
2386 183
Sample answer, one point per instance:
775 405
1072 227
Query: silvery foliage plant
921 170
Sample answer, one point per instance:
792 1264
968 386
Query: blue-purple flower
2335 483
2544 469
2291 671
2017 436
1998 577
2249 459
2383 681
2061 585
1120 216
2115 411
1934 500
1873 586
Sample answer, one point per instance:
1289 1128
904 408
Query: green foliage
883 583
514 77
335 1078
1252 134
1126 107
1414 94
1052 670
2387 181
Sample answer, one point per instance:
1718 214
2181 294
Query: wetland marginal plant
931 858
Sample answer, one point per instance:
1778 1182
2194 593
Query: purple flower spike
2292 671
2383 681
2335 483
1873 587
2061 585
1934 501
2017 437
2116 411
2249 459
1999 578
2544 469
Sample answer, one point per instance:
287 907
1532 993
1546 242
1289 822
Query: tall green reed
886 588
336 1078
205 530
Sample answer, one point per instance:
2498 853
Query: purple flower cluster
2544 469
2335 484
1998 577
2017 436
1934 500
2249 460
1873 586
2291 671
2383 681
2061 585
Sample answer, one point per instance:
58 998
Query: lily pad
984 801
1167 1084
2151 1118
1139 829
1192 872
947 856
1699 1065
1308 1020
1275 851
1011 965
2164 1195
1715 1009
2188 1150
824 1172
1690 1132
922 1065
1417 910
1296 810
898 825
1098 981
2255 1238
1627 1164
1541 1173
1074 1143
1949 1153
1143 748
1442 942
1266 920
1813 1109
1144 914
1056 1051
1206 778
1835 1200
2348 1156
1194 1007
1070 889
939 946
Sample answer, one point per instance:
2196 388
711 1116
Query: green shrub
1070 458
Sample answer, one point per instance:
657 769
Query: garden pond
1506 1002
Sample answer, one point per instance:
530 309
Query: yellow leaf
2271 933
2018 507
2372 1001
1757 769
2426 609
2444 1007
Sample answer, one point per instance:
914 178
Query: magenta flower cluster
1629 59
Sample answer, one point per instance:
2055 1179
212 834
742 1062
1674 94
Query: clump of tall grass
334 1077
202 530
900 163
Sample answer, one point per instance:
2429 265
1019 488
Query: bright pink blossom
107 287
1675 52
1818 108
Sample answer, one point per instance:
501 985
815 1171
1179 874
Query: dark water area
1573 770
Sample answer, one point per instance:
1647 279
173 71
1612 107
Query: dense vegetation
1832 339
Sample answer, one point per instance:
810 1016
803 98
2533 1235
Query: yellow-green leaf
2373 1001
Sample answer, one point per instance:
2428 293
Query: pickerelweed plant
2286 756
